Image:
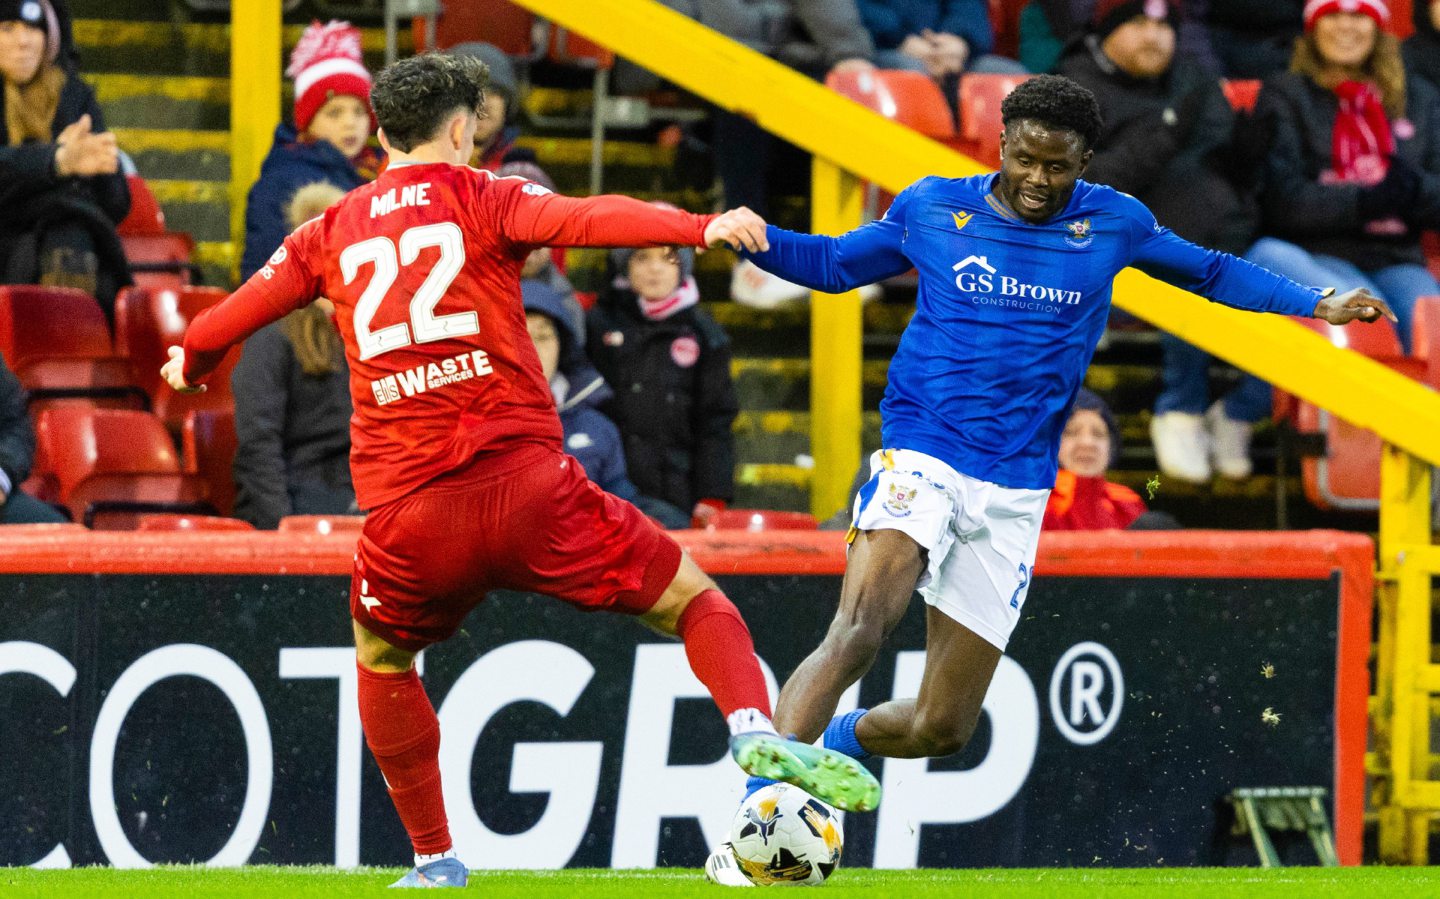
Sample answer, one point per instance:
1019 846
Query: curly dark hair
1057 102
413 97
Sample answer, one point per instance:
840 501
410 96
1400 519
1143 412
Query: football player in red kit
456 445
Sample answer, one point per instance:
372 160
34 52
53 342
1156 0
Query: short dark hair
1056 102
413 97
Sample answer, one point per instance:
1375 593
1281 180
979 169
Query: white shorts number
426 325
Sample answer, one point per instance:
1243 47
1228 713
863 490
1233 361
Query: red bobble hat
1375 9
325 63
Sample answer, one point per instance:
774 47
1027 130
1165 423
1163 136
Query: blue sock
840 735
754 784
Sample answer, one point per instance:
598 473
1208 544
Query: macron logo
973 260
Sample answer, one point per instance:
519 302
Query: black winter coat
1293 122
293 430
674 400
1422 49
1178 170
17 437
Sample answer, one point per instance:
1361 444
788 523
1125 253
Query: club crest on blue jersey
1081 234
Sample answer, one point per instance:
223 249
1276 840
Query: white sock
421 860
750 721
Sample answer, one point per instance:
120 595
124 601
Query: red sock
404 736
721 654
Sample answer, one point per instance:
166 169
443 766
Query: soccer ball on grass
784 836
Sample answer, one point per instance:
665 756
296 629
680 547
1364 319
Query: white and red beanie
1375 9
325 63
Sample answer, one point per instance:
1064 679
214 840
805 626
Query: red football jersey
423 266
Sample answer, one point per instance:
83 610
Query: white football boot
722 869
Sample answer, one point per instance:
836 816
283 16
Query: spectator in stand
1422 49
1048 28
328 142
669 363
17 453
579 392
1083 500
60 181
1166 140
941 38
1253 38
1351 160
496 133
814 37
292 407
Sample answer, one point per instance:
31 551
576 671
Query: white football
784 836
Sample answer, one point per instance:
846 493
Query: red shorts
540 525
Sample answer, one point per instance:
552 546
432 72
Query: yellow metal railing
254 101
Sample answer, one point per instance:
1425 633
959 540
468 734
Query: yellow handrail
254 101
857 140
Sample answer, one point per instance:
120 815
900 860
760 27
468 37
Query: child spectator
579 391
292 407
328 142
1422 49
1082 499
496 132
60 181
669 363
1351 160
17 453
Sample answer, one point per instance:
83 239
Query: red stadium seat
1430 240
106 383
145 215
207 447
1347 476
161 260
1425 339
322 524
43 322
1242 93
499 22
110 462
763 520
147 323
980 97
911 98
170 521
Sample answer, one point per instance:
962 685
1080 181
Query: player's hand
173 372
740 229
1353 305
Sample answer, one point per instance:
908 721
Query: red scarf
1361 144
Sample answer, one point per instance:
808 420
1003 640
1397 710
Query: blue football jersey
1008 312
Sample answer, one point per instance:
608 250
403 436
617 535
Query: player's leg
958 667
880 576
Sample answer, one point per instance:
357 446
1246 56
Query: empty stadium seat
762 520
207 447
508 26
1425 339
911 98
108 465
145 216
1242 93
1346 476
1430 240
161 260
147 323
170 521
322 524
980 97
44 322
104 382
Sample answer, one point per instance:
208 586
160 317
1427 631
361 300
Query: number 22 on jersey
425 326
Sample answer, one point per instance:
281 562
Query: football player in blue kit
1015 272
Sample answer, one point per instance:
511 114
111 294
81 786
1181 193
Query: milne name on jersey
409 195
975 275
389 389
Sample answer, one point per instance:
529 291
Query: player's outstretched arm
868 254
739 229
1353 305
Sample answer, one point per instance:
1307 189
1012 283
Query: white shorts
981 537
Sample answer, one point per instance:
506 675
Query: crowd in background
1330 181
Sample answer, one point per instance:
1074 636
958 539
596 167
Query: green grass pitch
1200 883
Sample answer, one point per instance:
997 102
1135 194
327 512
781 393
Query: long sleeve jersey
1008 312
423 266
